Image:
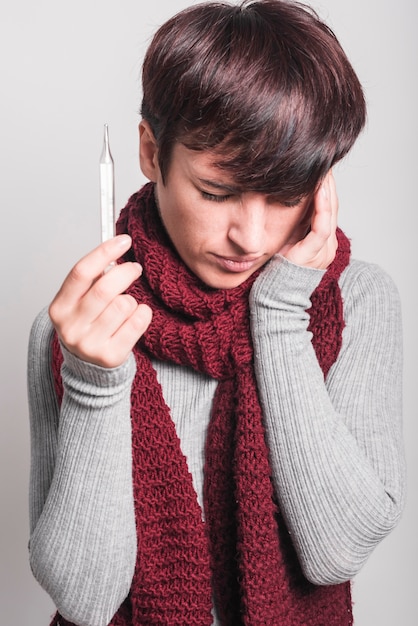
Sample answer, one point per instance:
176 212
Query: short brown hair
264 84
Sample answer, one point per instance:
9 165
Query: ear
148 152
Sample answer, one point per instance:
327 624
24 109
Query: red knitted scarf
242 553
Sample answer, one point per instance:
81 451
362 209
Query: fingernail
123 240
109 267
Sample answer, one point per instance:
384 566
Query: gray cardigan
336 446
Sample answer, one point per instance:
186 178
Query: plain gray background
68 68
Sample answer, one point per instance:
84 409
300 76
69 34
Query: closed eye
275 199
215 198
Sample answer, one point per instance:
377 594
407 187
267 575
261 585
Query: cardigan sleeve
336 445
82 524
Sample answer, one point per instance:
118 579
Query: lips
238 264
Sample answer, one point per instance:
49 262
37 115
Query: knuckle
53 312
125 304
100 291
58 315
79 273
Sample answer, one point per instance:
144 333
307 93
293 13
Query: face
222 235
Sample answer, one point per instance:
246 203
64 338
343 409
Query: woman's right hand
94 318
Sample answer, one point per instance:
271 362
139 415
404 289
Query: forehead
201 166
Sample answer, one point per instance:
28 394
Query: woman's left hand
317 248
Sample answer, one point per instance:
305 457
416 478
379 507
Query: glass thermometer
107 189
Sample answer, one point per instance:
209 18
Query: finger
134 327
328 251
88 269
115 349
306 250
84 323
334 202
104 290
321 223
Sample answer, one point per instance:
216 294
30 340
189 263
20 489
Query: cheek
288 226
185 229
285 223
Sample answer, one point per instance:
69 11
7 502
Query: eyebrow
220 186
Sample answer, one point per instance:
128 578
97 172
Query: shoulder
368 282
371 302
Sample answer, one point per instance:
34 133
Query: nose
248 224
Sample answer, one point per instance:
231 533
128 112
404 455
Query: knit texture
242 551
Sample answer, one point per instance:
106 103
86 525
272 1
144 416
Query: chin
224 281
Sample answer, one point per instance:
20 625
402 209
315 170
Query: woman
216 420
